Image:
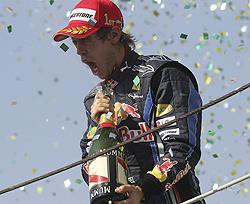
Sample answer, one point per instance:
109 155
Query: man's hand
135 194
102 104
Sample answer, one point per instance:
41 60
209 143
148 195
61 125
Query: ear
115 34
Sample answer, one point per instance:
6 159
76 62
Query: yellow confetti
197 65
233 110
235 132
13 137
39 189
34 170
156 13
219 180
248 125
208 80
237 162
233 172
245 190
155 37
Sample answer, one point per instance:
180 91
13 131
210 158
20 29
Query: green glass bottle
110 170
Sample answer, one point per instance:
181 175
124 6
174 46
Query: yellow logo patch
163 109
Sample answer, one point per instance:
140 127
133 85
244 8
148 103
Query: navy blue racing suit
157 90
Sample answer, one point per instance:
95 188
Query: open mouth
92 66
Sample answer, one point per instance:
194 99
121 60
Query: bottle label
100 176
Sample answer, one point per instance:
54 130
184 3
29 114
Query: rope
220 188
57 171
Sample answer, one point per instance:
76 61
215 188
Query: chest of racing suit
154 90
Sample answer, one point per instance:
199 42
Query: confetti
136 81
245 190
13 137
213 7
220 126
215 36
215 187
78 181
34 170
237 162
233 172
13 103
51 2
183 36
223 6
156 13
197 65
215 155
22 188
211 133
9 28
67 183
205 36
64 47
39 189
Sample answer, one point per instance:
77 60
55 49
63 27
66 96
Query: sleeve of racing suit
84 144
174 95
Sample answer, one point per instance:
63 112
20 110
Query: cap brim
77 31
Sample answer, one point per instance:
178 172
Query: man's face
97 53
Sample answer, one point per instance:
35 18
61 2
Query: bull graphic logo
131 110
167 165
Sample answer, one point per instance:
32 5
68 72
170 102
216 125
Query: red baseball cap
88 16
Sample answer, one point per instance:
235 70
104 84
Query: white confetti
22 188
215 186
243 29
67 183
213 7
223 6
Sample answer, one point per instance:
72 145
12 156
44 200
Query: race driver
152 90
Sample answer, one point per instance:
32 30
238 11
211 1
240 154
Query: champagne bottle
108 171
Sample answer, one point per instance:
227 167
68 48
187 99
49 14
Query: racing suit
155 90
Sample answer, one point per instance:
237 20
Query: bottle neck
106 120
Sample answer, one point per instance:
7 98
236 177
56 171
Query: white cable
219 188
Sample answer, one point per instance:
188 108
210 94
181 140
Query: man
152 90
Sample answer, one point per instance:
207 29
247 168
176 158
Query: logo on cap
82 14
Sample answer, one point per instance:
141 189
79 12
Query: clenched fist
102 104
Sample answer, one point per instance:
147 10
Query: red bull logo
167 165
131 110
128 134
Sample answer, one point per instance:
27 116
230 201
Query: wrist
141 194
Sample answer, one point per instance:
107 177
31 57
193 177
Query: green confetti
9 28
215 36
51 2
136 81
210 67
64 47
183 36
215 155
211 133
220 126
198 46
205 36
187 6
78 181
